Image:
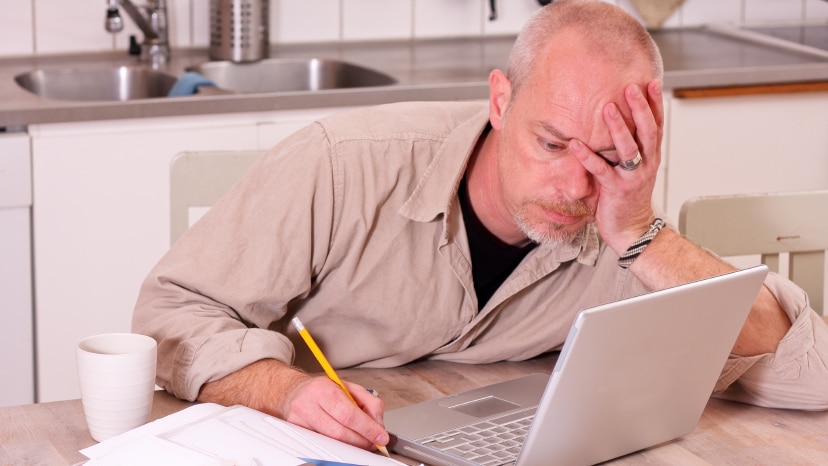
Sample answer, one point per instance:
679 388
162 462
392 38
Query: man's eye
551 146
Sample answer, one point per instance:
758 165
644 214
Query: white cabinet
101 219
16 336
744 144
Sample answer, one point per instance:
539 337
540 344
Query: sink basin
287 75
106 84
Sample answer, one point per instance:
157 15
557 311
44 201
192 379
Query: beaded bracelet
638 246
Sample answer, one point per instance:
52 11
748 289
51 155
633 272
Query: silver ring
631 164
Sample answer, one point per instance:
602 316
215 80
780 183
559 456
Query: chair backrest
199 178
767 224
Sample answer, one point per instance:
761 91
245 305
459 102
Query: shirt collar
437 188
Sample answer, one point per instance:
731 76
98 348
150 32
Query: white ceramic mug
116 372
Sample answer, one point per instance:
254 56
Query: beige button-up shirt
353 224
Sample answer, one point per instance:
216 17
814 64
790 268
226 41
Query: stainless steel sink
288 75
103 84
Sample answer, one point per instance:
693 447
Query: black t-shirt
492 259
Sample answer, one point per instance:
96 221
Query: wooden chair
199 179
792 224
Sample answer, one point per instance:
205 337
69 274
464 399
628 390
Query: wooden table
728 433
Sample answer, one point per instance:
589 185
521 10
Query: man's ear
500 91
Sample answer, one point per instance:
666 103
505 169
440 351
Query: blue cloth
188 84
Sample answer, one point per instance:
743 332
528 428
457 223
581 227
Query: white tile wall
200 23
58 26
816 10
698 12
17 28
305 21
757 11
447 18
181 20
72 26
377 19
511 14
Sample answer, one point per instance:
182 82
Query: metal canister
239 30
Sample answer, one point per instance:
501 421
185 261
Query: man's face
545 189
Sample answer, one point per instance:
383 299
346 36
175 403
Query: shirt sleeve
796 375
218 300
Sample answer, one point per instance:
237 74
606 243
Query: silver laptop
631 374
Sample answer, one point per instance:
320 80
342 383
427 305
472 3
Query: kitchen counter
447 69
812 35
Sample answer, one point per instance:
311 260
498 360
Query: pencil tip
383 450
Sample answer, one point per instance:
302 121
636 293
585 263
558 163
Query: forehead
570 85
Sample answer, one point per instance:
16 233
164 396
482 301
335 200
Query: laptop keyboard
489 443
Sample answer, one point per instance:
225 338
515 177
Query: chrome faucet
153 23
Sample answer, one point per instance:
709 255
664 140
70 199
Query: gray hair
610 31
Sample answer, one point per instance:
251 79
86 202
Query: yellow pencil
329 370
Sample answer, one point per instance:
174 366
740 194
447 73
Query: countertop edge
425 70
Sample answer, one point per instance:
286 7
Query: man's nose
573 180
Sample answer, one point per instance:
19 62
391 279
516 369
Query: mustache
576 208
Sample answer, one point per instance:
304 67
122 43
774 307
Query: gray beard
548 233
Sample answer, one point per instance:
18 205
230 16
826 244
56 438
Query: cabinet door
274 127
16 334
101 222
758 143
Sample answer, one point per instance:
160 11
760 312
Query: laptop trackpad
484 407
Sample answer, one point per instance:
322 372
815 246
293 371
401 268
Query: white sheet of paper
220 440
210 434
152 450
159 426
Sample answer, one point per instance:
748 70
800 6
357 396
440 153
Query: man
453 231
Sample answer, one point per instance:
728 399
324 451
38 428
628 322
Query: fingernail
575 145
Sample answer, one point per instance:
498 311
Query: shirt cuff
212 357
788 377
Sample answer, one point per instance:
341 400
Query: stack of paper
210 434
